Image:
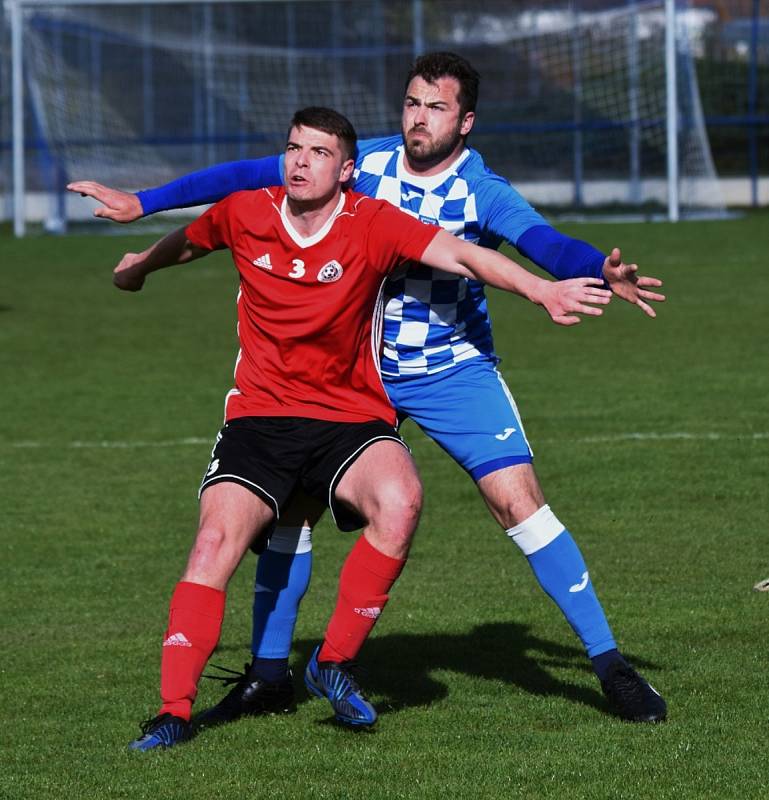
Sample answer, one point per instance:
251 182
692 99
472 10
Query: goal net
572 106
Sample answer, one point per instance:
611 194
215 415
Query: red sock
194 625
365 580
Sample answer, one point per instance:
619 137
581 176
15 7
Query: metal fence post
17 113
671 79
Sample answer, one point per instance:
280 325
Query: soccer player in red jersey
308 410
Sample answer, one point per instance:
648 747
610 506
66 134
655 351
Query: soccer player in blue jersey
438 357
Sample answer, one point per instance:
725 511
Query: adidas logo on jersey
263 261
177 640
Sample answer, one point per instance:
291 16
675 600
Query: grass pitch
652 444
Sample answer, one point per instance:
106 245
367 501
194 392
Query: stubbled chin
419 151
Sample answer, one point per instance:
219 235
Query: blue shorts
469 411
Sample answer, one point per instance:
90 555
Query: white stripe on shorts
240 480
352 457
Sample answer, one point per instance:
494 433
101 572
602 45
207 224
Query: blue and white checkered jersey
434 320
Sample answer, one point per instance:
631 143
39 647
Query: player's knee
516 511
398 507
209 543
512 495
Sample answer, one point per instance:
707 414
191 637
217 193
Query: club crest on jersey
330 272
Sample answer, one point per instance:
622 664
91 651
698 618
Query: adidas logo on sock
369 613
177 640
263 261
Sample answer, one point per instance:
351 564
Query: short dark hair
432 66
328 121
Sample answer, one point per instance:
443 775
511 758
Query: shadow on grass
400 667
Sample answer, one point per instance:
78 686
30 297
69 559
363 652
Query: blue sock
560 569
281 582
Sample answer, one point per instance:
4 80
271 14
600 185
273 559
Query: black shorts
272 456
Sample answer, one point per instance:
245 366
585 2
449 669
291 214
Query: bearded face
432 124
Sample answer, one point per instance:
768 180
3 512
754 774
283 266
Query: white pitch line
197 440
645 437
118 445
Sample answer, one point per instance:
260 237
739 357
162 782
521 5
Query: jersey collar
431 181
309 241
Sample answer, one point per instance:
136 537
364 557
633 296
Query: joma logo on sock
578 587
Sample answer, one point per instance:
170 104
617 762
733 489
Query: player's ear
346 171
467 123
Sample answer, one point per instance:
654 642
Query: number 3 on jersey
298 270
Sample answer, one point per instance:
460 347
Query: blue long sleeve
562 256
212 184
505 215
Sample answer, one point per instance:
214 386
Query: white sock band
291 539
537 531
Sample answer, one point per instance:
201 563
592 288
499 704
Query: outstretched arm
561 299
174 248
624 281
507 215
115 205
197 188
564 257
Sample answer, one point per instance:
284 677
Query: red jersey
310 308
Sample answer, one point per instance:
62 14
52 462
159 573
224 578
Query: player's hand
130 274
624 281
116 205
564 299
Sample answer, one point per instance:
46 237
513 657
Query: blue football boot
334 682
164 731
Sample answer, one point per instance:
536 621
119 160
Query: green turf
483 689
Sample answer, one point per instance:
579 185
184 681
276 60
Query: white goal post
583 102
